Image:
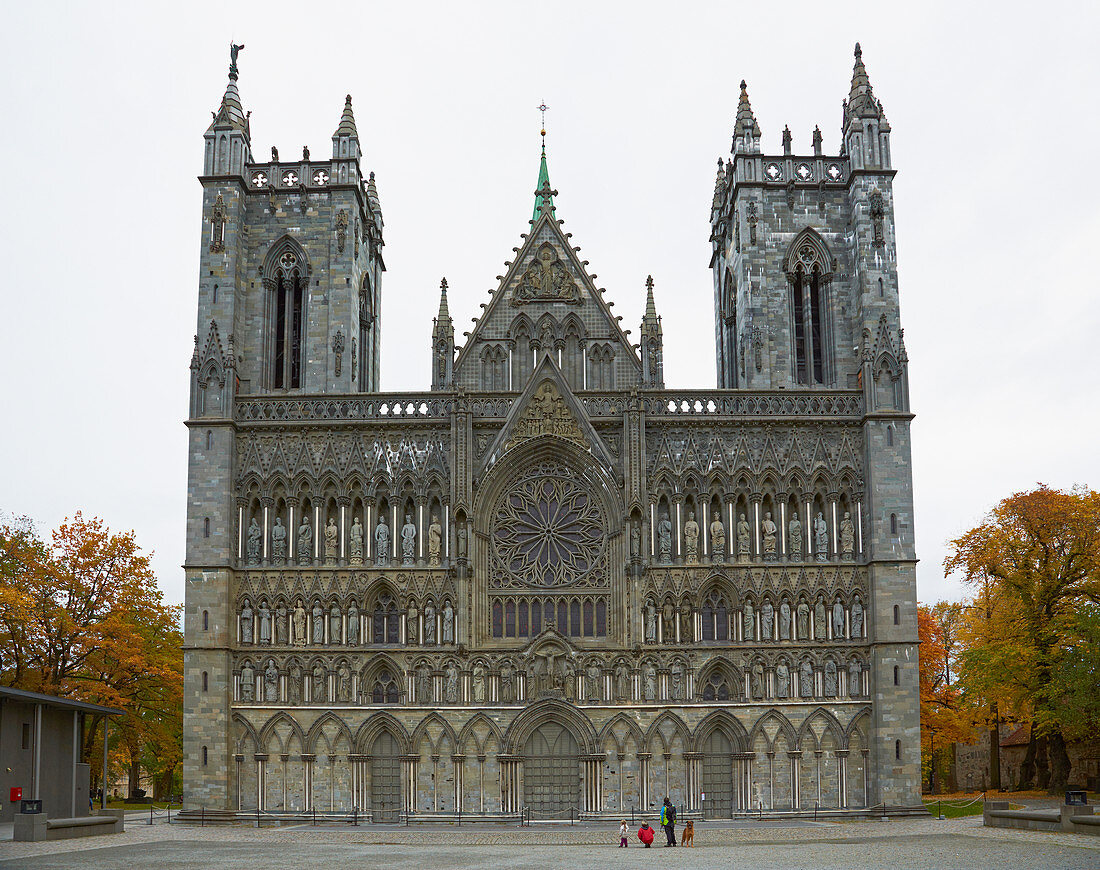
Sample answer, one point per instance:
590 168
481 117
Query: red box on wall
16 794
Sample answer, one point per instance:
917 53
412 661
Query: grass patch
951 811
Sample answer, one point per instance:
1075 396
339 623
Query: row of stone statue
331 551
676 626
743 539
267 626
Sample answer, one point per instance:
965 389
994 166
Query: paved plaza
903 844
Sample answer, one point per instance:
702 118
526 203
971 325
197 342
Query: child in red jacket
645 834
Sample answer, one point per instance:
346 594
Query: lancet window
808 273
287 286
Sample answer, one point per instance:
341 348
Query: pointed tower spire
544 196
746 132
653 343
228 128
443 344
866 132
345 141
861 99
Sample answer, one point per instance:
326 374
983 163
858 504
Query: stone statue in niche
435 541
305 541
686 633
255 536
838 619
353 624
278 542
318 623
412 624
649 683
448 622
479 683
264 613
408 541
857 619
450 685
743 539
460 537
622 682
855 679
691 539
429 623
248 681
246 622
770 528
507 684
271 682
806 679
668 626
784 620
830 679
782 681
794 533
592 682
819 619
717 540
803 620
356 543
294 685
567 678
280 624
343 684
382 542
758 681
650 622
635 541
677 681
423 685
821 538
332 541
319 683
299 619
847 538
664 539
767 618
748 622
335 626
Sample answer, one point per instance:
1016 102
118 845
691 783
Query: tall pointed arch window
367 336
809 275
287 281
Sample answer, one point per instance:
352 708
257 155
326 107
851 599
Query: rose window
547 530
290 178
259 179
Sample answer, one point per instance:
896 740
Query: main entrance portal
551 773
385 778
718 776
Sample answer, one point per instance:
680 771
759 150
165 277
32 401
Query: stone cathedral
550 585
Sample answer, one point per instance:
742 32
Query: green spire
544 196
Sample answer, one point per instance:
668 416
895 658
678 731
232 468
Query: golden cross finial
542 108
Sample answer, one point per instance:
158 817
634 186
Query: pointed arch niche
809 268
286 284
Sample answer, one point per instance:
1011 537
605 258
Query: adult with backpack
668 822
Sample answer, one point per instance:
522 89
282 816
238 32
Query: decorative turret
228 140
443 344
746 132
653 343
345 141
866 132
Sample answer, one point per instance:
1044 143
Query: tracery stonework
548 584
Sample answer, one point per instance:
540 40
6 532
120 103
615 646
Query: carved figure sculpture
668 622
343 684
300 619
847 538
649 683
743 539
355 547
248 681
855 678
278 542
255 537
770 528
794 534
305 541
450 685
448 622
838 619
318 623
429 623
412 624
319 684
784 620
353 624
687 635
819 619
691 539
435 541
423 685
635 540
246 622
857 619
650 622
677 688
758 681
507 684
821 538
592 682
479 683
332 542
782 681
664 539
335 625
408 541
264 614
748 620
622 682
280 624
717 540
830 679
294 685
767 620
806 679
382 542
803 620
271 682
460 536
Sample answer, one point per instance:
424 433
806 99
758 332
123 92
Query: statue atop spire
234 50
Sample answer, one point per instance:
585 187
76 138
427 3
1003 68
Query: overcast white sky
995 128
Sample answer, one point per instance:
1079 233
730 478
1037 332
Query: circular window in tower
290 178
833 172
320 178
259 179
804 172
774 172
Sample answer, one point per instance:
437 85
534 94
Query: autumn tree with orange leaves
82 617
1034 563
945 714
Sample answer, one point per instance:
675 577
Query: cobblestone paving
906 844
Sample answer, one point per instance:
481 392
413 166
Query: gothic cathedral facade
549 584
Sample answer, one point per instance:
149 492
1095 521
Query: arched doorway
551 772
718 776
385 778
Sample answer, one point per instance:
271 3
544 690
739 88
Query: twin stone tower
549 584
